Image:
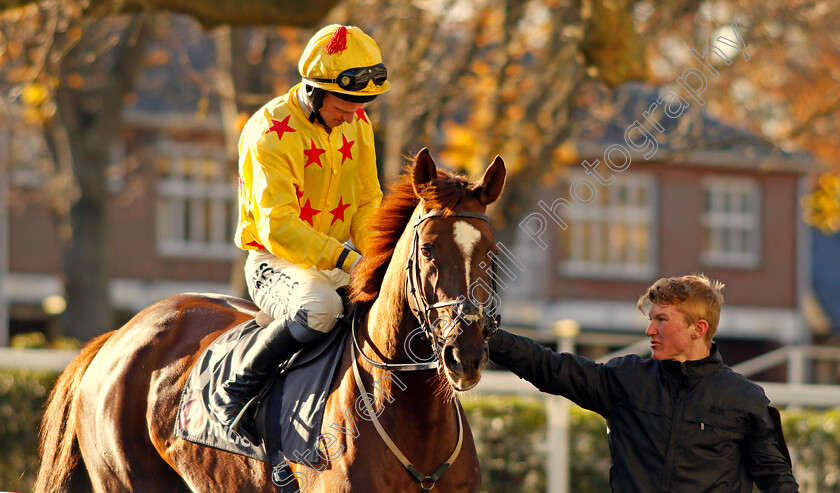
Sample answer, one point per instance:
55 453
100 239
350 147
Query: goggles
356 79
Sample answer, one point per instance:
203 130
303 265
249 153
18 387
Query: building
172 198
172 216
657 191
825 272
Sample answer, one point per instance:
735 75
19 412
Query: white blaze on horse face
466 236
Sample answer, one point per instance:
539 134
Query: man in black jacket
680 421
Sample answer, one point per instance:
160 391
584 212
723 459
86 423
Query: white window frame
579 263
29 161
720 221
35 168
181 193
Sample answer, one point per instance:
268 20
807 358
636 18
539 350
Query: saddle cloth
289 418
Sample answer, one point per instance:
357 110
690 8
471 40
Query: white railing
36 359
794 394
794 356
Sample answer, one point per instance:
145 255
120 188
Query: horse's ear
424 170
493 182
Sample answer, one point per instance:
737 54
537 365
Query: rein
430 365
426 482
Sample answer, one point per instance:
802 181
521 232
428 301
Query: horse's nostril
452 357
456 360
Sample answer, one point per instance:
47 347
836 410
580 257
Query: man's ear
700 329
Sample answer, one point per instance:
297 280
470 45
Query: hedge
22 397
814 442
510 439
509 434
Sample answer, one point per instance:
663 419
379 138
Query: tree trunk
90 113
87 259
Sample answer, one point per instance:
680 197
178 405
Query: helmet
345 61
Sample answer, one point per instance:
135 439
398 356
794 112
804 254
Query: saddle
289 410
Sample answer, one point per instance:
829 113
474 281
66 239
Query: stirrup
251 433
247 432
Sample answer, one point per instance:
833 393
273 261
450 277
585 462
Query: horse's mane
388 223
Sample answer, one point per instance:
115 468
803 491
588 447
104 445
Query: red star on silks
307 212
280 127
299 194
360 113
313 155
338 212
345 149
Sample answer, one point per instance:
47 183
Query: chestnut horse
110 418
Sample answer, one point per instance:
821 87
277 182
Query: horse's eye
426 251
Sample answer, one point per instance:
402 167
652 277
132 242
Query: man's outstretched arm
579 379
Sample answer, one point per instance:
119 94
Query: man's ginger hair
694 295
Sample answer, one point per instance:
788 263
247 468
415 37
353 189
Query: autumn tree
788 92
504 76
477 79
471 78
71 66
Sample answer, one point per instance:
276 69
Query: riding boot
274 345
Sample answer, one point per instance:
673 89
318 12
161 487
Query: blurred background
643 139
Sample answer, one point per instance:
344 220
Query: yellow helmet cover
343 59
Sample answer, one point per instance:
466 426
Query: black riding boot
274 345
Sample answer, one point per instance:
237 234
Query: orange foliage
822 207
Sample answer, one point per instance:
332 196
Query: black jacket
673 427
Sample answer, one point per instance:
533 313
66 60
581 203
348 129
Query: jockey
307 184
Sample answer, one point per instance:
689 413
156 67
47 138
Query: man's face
336 111
670 336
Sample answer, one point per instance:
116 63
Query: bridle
420 307
465 309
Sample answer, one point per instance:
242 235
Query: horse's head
450 283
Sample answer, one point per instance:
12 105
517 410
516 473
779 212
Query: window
32 165
731 220
614 235
197 208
